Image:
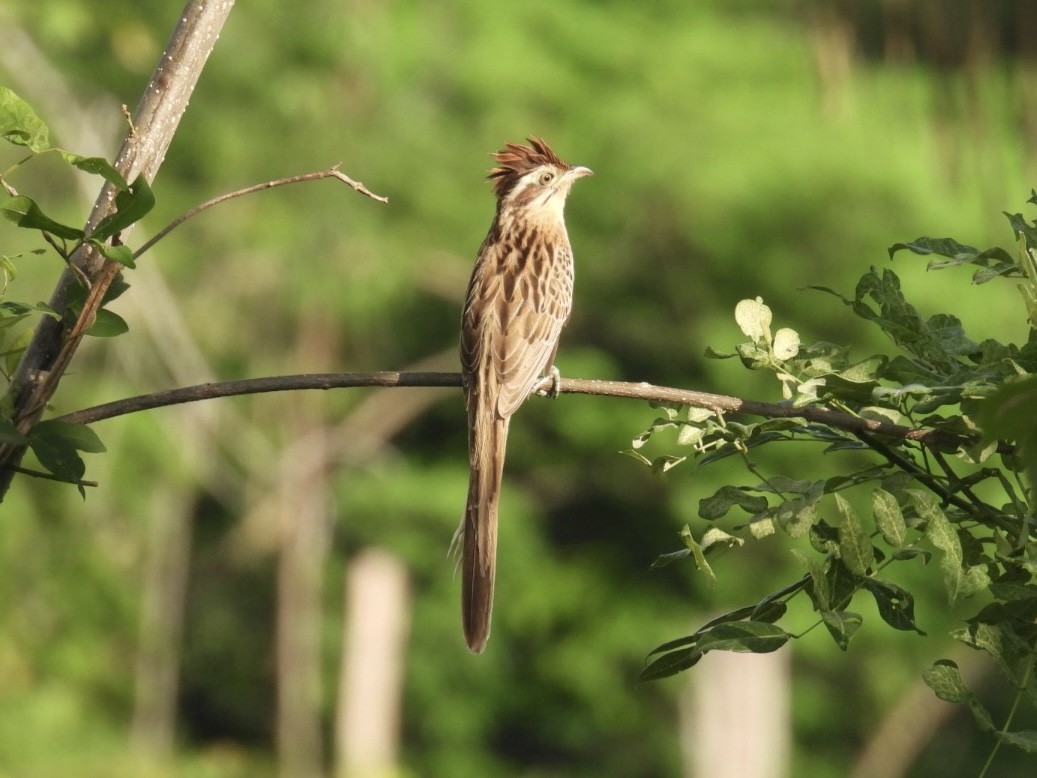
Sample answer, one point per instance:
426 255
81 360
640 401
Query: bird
518 300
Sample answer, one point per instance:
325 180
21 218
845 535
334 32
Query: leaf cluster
969 505
57 445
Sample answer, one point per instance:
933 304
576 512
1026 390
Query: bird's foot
550 384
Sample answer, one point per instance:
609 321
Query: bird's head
533 178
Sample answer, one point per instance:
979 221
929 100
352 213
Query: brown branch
719 403
332 172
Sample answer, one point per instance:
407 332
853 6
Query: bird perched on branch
519 298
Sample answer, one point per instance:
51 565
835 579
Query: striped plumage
518 300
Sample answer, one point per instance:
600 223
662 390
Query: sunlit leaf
754 319
854 544
700 558
786 343
888 517
945 680
19 123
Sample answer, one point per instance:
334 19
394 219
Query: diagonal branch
935 439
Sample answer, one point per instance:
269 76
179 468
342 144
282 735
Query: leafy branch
964 497
57 443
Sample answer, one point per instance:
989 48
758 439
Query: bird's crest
515 161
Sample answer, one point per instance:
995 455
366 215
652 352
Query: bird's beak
580 172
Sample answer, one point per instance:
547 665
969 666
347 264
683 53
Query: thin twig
640 391
332 172
50 476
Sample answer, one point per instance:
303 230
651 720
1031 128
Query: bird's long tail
486 448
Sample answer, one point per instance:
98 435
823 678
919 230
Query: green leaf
714 539
945 680
942 535
854 545
131 204
769 611
841 625
1026 740
756 637
754 319
78 435
725 498
24 212
697 554
20 125
896 605
59 457
57 443
98 166
998 643
820 592
995 262
121 254
670 664
888 517
107 325
664 560
786 344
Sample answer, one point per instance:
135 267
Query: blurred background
260 586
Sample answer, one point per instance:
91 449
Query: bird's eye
545 178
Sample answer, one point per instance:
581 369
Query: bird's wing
535 312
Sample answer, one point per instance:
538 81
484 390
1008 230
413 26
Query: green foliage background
725 169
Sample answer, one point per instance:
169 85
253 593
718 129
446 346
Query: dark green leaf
725 498
896 605
841 625
60 457
107 325
670 664
769 611
756 637
131 205
910 553
78 435
824 537
1013 591
121 254
842 584
24 212
946 247
97 166
20 125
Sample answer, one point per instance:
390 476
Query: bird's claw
550 385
